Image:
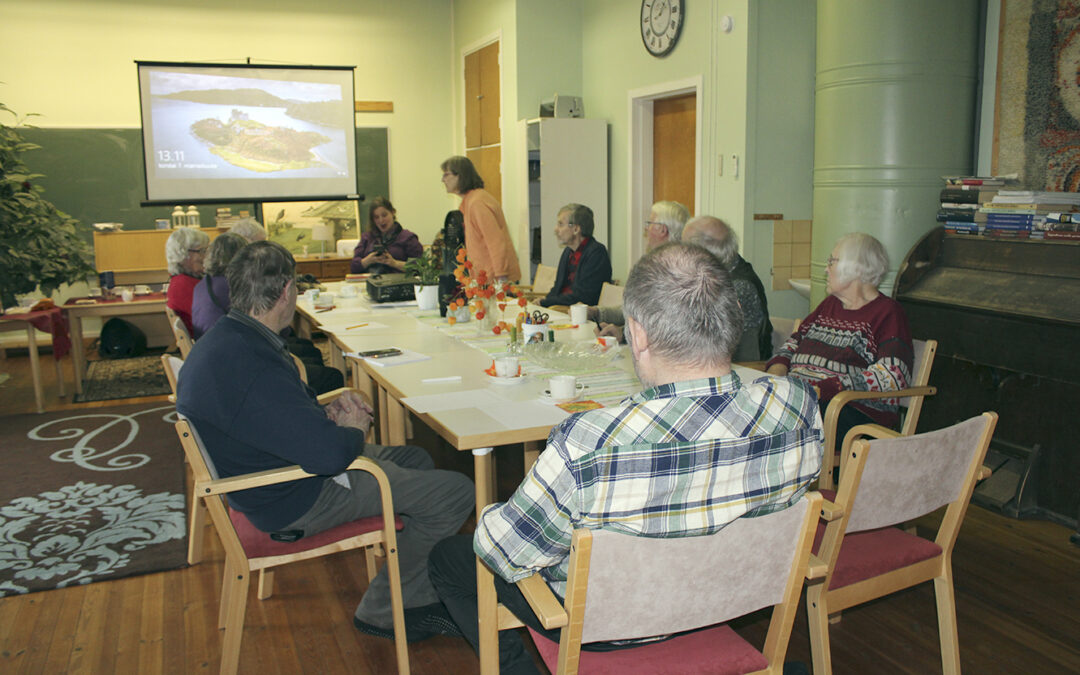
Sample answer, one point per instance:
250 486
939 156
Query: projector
390 288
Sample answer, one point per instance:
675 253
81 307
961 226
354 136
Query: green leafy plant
426 268
40 246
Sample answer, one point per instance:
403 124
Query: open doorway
665 153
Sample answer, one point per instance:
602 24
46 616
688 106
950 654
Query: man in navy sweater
584 266
241 390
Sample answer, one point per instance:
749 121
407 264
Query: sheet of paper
523 414
472 398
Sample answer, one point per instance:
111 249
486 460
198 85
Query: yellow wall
72 61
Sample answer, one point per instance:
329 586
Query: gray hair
257 275
221 251
179 244
716 236
582 216
860 256
672 215
249 229
684 300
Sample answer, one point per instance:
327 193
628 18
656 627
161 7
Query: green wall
72 61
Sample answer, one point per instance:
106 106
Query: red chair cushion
713 650
873 552
258 544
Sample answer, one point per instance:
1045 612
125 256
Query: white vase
427 297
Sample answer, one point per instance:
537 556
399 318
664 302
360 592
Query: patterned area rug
90 495
108 379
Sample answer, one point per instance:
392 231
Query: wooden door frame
640 142
468 49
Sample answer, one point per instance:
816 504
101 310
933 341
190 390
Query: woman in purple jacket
386 245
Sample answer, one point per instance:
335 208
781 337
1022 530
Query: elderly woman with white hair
184 252
857 338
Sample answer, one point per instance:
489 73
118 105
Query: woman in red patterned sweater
857 338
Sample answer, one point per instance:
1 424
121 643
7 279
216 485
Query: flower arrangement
477 290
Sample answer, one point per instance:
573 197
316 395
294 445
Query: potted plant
425 270
40 246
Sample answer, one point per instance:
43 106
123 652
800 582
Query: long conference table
447 389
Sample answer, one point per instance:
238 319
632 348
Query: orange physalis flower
522 301
480 315
501 295
461 254
502 306
451 319
461 302
494 329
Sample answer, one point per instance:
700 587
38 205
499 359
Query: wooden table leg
395 420
531 452
60 376
78 352
35 366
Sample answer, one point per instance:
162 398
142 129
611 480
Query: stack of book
1025 213
962 199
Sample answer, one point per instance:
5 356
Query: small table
77 308
52 321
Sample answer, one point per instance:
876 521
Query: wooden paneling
489 95
324 269
489 164
674 148
134 250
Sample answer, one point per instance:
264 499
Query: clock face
661 24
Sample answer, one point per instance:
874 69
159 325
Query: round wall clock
661 25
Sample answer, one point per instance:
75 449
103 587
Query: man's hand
611 330
349 410
778 369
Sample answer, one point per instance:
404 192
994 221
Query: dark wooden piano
1006 314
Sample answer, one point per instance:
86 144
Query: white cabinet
566 163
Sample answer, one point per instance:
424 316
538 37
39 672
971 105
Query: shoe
420 624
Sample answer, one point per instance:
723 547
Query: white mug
579 314
126 295
563 387
506 366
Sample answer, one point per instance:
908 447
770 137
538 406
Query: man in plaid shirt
695 450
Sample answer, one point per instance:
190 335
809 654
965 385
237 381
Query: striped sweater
865 349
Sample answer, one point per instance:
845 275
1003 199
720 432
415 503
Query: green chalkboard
96 175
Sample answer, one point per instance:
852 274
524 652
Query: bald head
714 235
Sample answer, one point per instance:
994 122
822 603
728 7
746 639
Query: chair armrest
543 601
273 477
832 413
816 568
984 472
830 511
330 396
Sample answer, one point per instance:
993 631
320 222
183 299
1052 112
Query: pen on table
359 325
433 380
320 311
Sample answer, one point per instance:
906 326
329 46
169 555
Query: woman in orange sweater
486 236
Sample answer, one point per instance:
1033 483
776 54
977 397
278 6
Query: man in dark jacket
715 235
584 266
242 392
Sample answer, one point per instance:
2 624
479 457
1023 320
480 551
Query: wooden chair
610 296
180 333
884 483
911 400
248 549
543 280
621 587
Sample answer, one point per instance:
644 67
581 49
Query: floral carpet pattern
89 495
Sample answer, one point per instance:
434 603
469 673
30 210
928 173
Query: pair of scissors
539 317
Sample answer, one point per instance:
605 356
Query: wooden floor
1017 594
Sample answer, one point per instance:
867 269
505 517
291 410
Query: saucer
545 396
506 380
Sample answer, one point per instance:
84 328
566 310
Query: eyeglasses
831 261
649 223
196 250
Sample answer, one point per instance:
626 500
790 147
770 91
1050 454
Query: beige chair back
610 295
908 477
922 363
748 564
180 333
544 280
172 366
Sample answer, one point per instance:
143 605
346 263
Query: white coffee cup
563 387
506 366
579 314
126 295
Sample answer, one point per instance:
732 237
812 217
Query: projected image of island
247 133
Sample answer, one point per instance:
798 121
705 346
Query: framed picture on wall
311 228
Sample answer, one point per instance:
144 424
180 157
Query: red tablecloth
50 321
